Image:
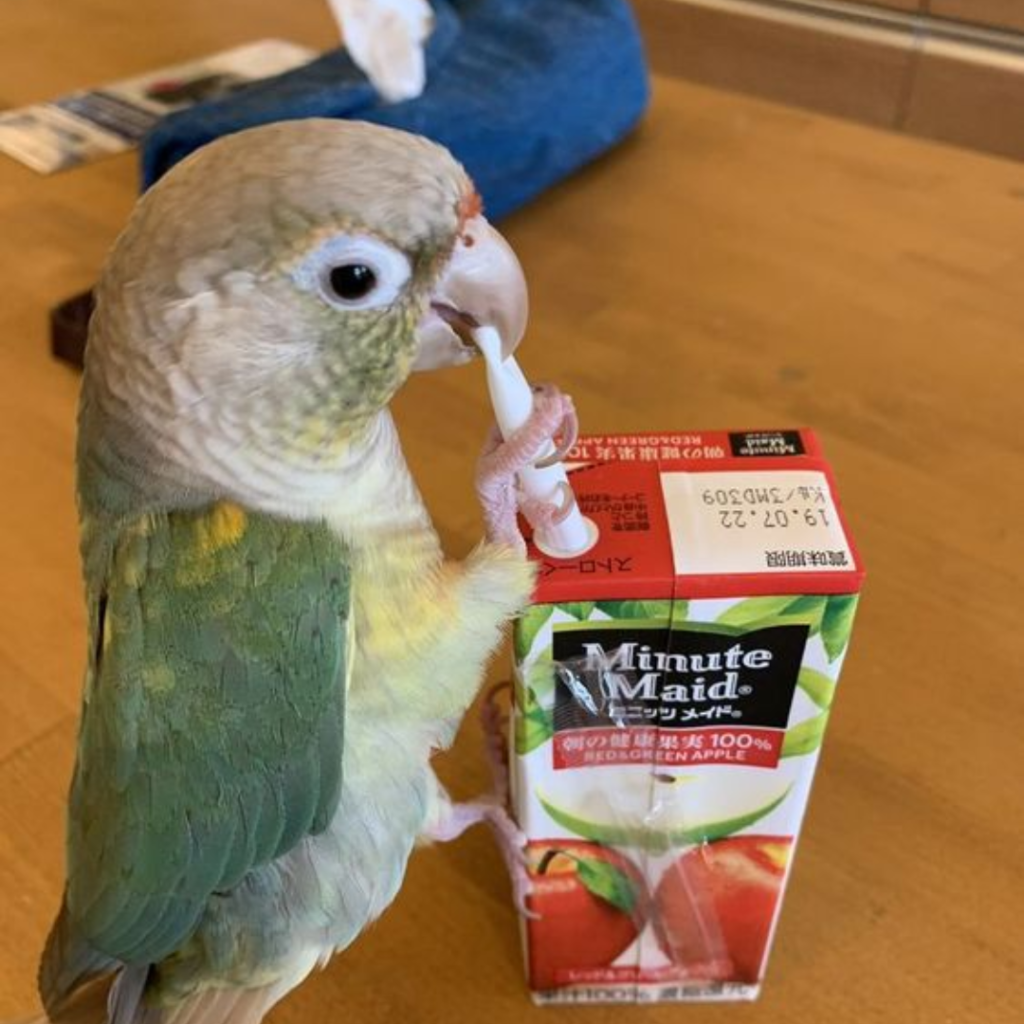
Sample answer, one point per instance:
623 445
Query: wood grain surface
805 64
925 76
735 264
1000 13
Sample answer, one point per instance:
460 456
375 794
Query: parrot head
272 292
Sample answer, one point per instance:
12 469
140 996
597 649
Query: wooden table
735 264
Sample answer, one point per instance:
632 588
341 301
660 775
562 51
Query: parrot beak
483 285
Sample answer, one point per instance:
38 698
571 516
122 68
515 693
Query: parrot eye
354 272
353 281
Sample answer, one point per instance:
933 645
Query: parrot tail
121 1003
217 1004
118 998
213 1006
87 1006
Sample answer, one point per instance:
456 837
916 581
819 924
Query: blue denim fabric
523 92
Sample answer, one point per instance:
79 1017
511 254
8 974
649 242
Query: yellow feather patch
222 528
219 528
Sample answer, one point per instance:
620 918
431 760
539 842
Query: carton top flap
704 514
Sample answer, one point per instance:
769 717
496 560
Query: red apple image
714 906
591 903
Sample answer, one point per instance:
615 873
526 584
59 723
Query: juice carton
672 687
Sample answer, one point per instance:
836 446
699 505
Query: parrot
386 39
276 644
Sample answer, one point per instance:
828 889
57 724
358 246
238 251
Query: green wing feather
212 730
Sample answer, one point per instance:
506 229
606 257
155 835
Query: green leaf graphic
755 609
680 609
578 609
805 738
837 623
662 841
761 612
817 686
541 678
646 610
529 624
534 727
807 609
607 882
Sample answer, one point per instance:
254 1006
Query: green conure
276 642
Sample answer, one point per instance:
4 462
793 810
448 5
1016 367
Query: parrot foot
542 514
568 429
511 841
553 419
494 809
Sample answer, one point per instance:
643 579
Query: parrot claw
522 889
553 417
542 514
511 841
568 430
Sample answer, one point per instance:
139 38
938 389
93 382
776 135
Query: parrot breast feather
211 738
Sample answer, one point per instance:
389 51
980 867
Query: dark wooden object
69 328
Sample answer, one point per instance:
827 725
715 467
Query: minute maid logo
620 677
685 678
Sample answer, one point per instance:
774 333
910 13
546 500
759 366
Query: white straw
512 399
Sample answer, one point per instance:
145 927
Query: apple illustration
715 905
591 903
659 812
